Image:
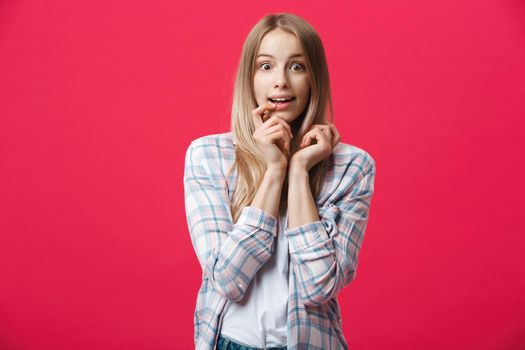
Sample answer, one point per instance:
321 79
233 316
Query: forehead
279 43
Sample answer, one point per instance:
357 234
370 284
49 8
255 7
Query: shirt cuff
257 217
306 236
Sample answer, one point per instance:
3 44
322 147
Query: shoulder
351 165
214 141
353 169
350 159
214 146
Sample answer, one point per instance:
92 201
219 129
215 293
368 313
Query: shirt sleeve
229 254
324 253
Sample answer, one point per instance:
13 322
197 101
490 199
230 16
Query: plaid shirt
323 254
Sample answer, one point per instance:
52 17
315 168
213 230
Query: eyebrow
267 55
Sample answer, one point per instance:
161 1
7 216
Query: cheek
305 88
258 87
305 94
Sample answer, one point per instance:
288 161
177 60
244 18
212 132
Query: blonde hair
249 161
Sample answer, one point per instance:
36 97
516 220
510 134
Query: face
280 69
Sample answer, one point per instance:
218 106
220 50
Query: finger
286 126
257 120
313 129
280 138
270 130
266 115
308 138
336 136
259 112
325 135
317 134
273 120
279 127
327 131
268 106
276 120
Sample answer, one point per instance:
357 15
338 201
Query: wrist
297 169
275 172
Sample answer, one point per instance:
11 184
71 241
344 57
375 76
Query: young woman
277 207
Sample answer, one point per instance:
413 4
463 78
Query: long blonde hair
249 161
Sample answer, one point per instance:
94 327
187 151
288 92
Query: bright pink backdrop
100 99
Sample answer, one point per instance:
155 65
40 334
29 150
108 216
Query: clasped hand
273 136
317 144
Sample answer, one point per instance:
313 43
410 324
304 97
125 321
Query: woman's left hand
326 136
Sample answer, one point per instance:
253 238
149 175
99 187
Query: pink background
100 99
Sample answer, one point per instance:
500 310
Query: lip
281 96
283 105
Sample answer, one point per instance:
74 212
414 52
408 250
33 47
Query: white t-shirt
259 319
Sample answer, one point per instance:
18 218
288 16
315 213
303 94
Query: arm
324 247
230 254
268 195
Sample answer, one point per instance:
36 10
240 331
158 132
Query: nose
281 79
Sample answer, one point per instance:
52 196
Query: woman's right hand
272 136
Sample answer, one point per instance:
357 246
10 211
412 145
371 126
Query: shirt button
240 285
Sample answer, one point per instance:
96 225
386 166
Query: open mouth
281 100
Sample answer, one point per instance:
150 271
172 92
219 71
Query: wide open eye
301 67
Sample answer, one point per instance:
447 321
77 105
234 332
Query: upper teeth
281 99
